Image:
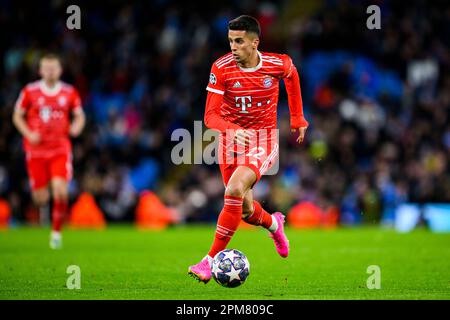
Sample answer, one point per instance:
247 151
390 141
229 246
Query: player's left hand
301 134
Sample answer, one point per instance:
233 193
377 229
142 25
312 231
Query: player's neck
252 62
50 88
50 83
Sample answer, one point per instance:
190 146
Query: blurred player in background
42 115
242 105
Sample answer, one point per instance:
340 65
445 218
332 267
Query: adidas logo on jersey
237 84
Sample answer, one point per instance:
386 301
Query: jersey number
256 152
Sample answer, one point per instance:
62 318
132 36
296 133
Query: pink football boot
280 239
201 271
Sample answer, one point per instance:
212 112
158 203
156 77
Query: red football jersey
48 113
250 95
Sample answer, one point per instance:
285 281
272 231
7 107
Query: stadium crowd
378 101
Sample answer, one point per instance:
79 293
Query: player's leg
60 202
39 177
253 213
238 185
261 160
59 210
61 171
41 200
40 197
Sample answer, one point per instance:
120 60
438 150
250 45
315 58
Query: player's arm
20 122
216 89
214 120
292 84
78 122
79 118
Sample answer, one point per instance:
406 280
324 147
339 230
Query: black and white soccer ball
230 268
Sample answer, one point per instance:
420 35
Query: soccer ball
230 268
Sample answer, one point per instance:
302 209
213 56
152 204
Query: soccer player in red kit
242 104
42 115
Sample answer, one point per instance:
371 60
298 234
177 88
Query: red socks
229 220
259 217
227 224
58 214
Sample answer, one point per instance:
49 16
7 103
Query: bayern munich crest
62 101
267 82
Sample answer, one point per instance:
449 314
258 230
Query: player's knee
235 190
60 192
60 196
41 199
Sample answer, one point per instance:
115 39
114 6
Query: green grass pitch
124 263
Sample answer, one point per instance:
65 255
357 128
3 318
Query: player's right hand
34 137
243 137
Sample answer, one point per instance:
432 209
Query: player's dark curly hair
245 23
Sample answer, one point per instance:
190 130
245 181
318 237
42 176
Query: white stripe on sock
274 225
210 259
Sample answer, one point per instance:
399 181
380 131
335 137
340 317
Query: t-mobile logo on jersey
243 103
46 113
